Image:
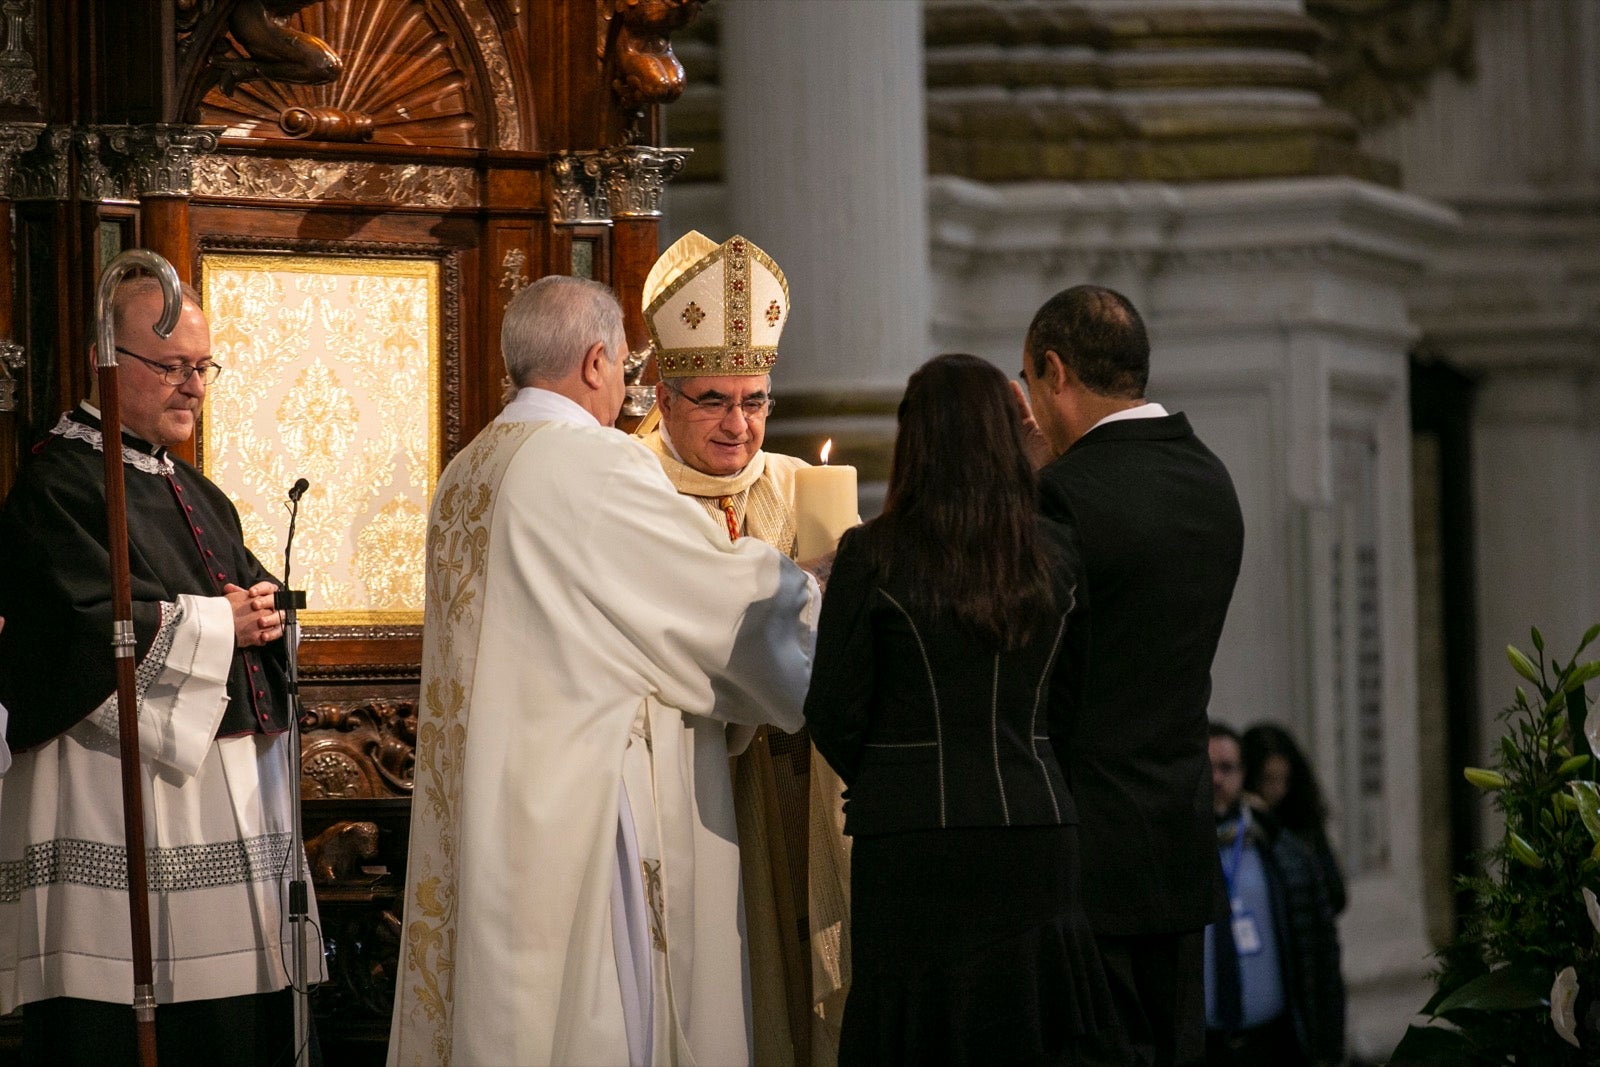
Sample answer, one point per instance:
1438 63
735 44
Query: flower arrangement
1520 984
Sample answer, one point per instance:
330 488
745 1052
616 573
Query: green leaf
1538 639
1508 751
1588 798
1588 636
1522 664
1510 988
1564 802
1483 779
1524 852
1571 765
1580 675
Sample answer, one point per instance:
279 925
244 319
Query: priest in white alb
572 886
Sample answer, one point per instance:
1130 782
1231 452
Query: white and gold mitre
715 309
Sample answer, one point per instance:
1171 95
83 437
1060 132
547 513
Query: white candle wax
824 507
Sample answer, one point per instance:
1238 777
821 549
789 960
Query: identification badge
1246 934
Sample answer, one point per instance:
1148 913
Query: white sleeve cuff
182 694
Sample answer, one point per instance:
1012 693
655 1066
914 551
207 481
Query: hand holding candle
824 505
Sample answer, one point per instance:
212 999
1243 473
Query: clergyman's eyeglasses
178 373
714 405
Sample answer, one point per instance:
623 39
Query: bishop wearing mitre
715 314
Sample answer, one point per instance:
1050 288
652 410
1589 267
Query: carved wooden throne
357 187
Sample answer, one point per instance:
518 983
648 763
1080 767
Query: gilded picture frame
332 373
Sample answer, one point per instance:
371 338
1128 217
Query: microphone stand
289 601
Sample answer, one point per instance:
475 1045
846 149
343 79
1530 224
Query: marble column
1516 151
824 164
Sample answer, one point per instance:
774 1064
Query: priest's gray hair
550 325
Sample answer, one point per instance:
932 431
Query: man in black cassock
213 696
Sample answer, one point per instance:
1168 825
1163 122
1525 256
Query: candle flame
826 449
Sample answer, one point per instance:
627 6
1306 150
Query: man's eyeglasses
713 405
178 373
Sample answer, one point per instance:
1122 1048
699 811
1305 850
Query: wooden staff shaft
123 647
123 643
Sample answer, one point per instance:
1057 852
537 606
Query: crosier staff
122 638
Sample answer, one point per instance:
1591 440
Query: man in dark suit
1160 535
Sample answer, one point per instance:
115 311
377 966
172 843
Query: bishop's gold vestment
762 499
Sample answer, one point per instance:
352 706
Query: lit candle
824 505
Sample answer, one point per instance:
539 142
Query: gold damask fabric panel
332 371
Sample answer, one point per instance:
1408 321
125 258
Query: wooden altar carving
491 141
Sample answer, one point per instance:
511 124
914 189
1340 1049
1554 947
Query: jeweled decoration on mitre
715 308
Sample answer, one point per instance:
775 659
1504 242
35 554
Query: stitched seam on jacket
1038 692
933 690
994 739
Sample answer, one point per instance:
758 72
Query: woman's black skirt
970 946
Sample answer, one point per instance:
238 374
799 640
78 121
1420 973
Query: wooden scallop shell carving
411 75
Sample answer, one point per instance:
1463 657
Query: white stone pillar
823 162
1516 150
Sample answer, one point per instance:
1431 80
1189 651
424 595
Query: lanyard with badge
1246 934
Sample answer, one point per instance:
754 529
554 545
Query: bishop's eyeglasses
714 405
178 373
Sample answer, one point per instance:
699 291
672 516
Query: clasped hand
255 620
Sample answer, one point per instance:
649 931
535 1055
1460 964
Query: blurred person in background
1277 771
1274 996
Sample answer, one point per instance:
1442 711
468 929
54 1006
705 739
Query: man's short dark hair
1098 335
1222 729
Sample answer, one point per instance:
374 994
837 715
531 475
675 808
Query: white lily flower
1593 906
1563 1002
1591 727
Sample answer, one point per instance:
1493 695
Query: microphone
298 489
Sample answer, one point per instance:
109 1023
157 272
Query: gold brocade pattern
332 375
385 551
457 552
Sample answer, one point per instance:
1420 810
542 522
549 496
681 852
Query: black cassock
55 586
218 835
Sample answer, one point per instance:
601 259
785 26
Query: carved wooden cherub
277 51
337 852
646 70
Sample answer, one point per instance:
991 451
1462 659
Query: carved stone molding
41 173
18 80
576 197
399 184
130 162
13 357
16 138
97 182
636 176
514 271
161 157
598 186
643 69
497 66
358 749
1381 54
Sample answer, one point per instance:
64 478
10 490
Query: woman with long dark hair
940 632
1277 772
